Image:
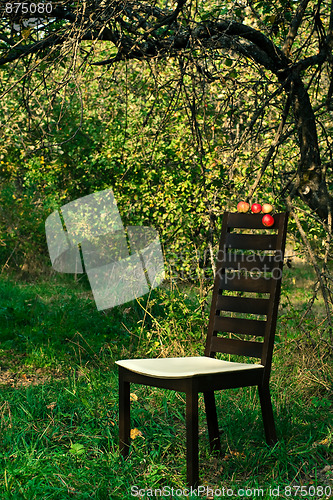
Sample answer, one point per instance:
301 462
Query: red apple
268 220
243 207
266 208
256 208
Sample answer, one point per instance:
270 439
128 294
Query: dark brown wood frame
237 265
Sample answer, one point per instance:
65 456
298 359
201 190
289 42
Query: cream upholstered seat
183 367
250 337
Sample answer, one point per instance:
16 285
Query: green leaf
77 449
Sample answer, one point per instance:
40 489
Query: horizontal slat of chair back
264 263
242 304
239 283
233 346
251 241
251 221
240 325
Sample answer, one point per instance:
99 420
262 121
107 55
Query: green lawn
59 398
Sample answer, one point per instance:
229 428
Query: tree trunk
310 183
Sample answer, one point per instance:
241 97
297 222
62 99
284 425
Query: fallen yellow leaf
135 433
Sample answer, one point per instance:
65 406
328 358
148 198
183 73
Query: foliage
183 113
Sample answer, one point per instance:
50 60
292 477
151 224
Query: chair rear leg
192 445
267 414
124 416
212 423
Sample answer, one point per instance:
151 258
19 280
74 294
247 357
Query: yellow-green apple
256 208
243 207
266 208
267 220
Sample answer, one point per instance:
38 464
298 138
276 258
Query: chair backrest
250 259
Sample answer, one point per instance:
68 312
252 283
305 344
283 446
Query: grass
59 398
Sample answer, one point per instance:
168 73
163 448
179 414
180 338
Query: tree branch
275 144
25 50
293 29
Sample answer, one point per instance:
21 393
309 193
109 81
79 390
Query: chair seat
183 367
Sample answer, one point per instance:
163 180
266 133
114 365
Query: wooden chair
235 272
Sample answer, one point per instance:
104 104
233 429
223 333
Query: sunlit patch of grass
299 287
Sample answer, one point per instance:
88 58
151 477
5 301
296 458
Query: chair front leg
124 415
267 414
212 423
192 430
